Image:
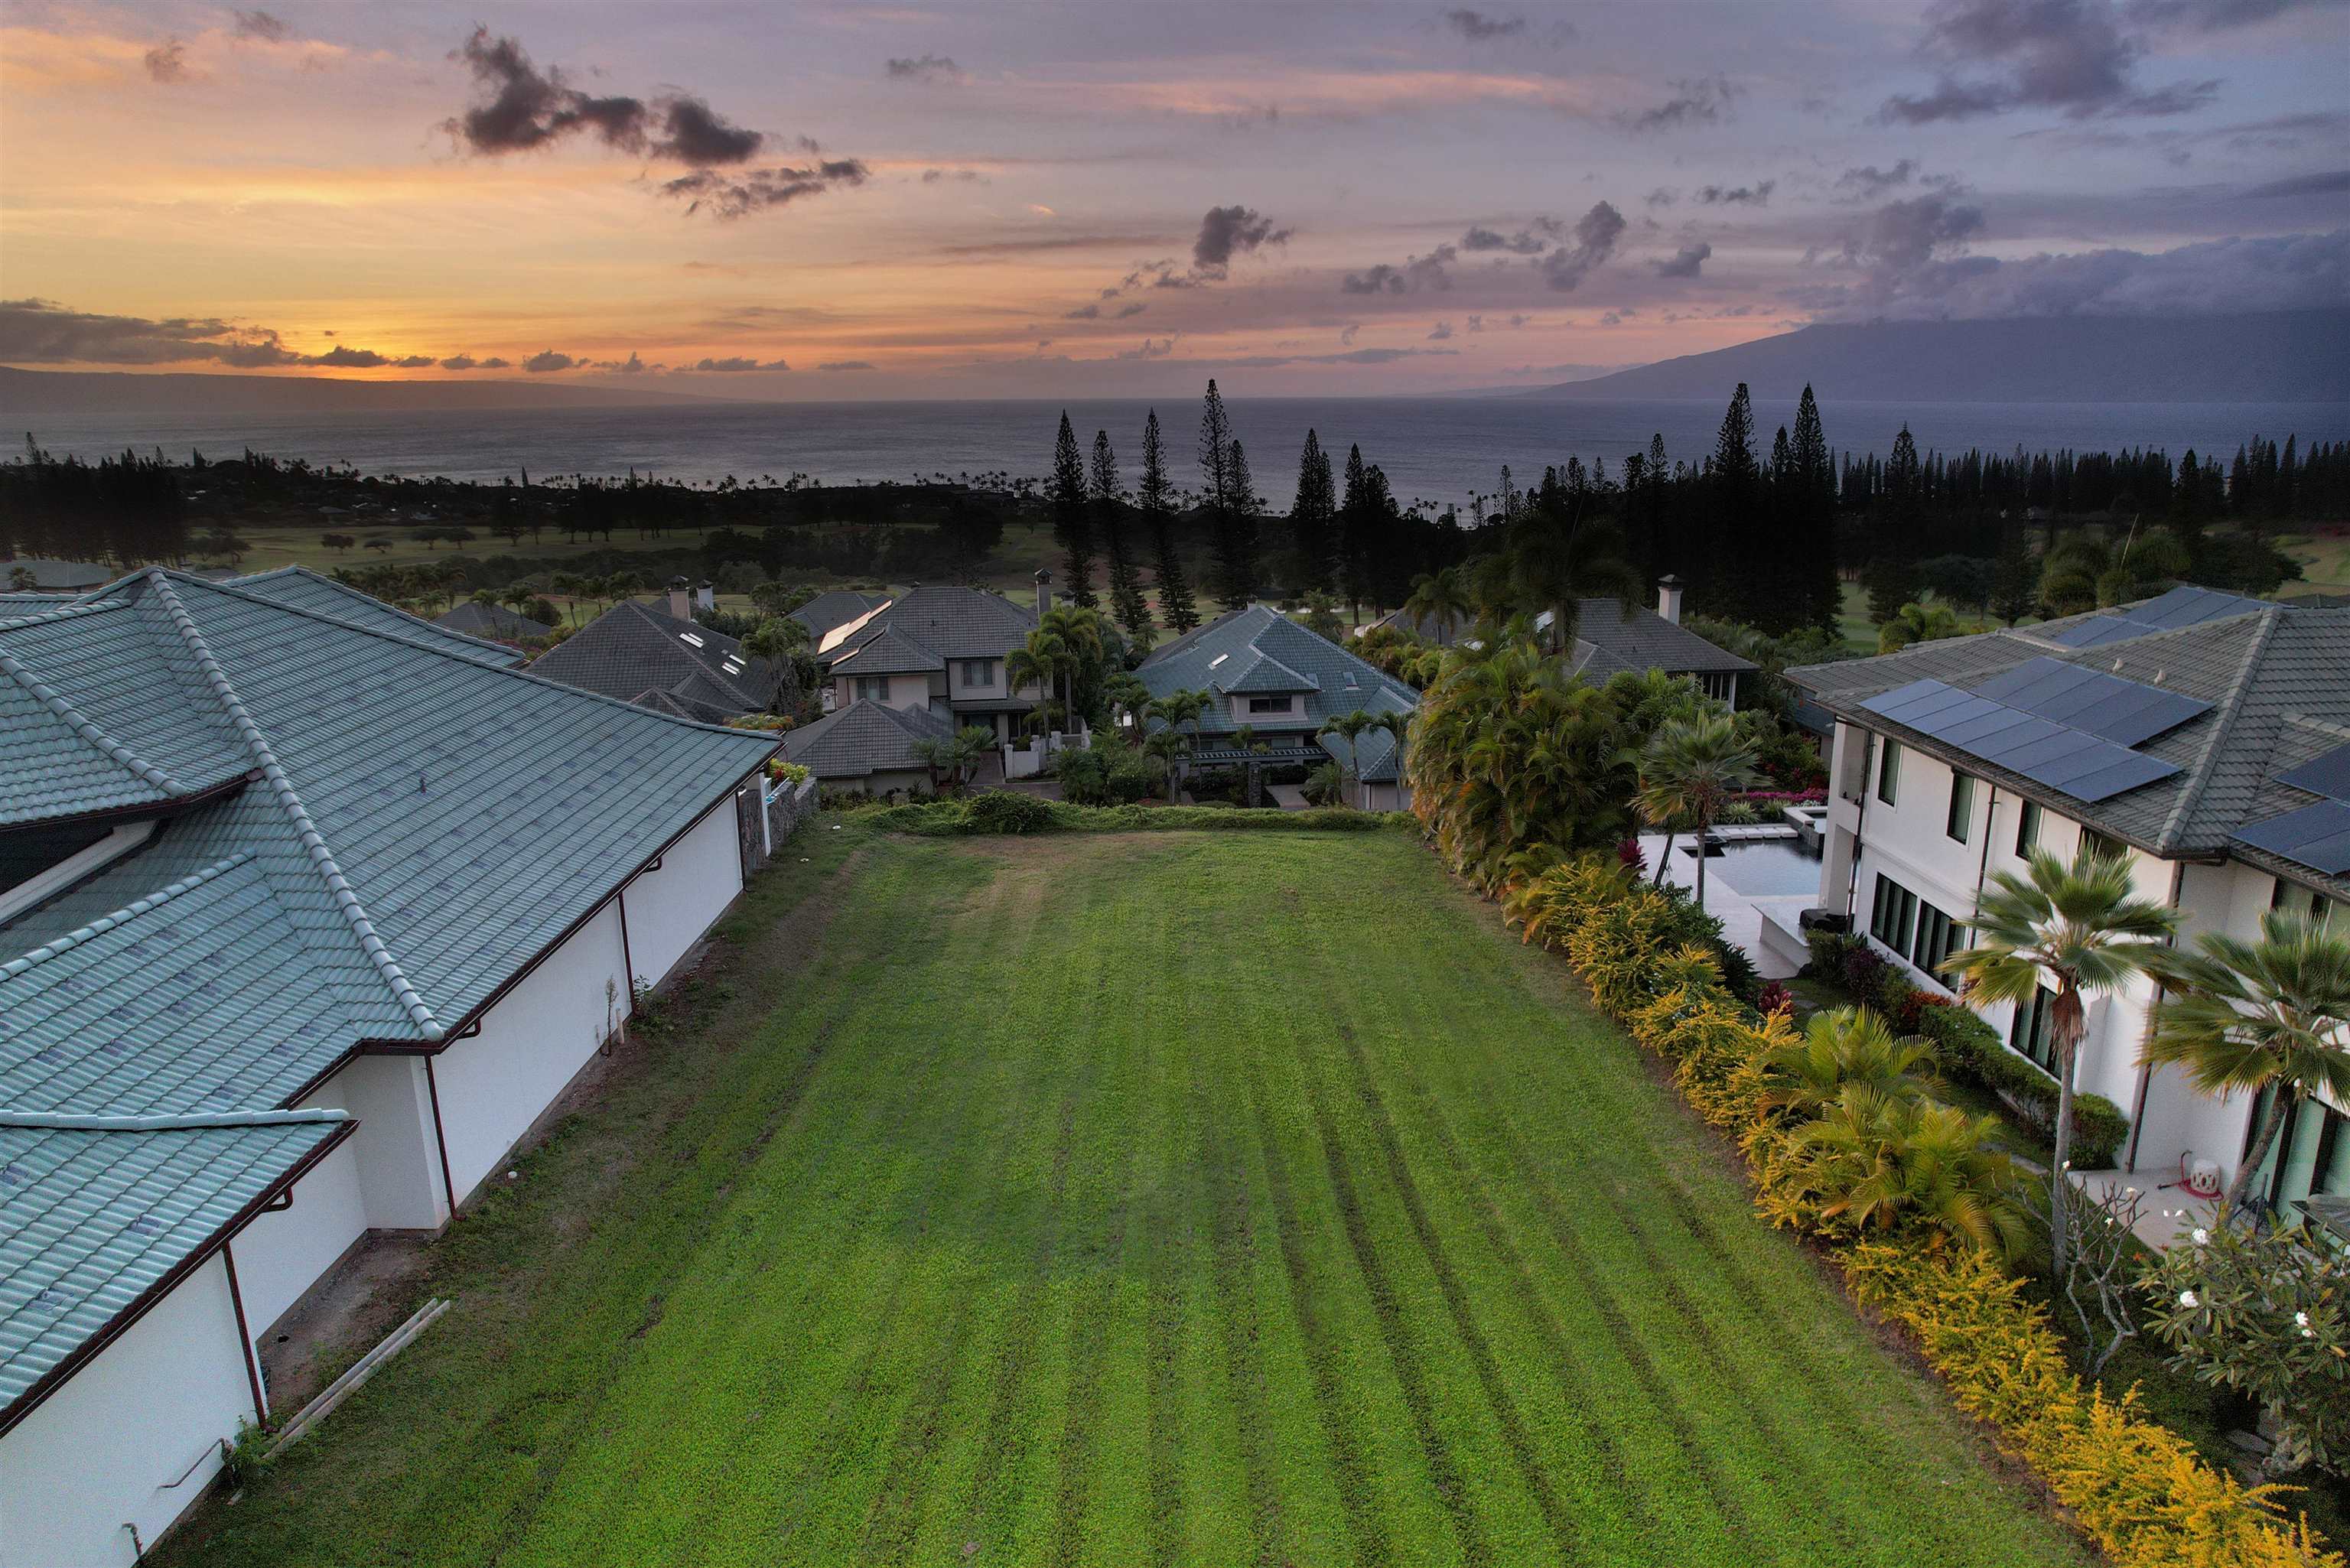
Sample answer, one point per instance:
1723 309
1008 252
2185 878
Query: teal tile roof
420 824
92 1217
305 589
1292 658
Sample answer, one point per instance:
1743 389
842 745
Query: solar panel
2086 766
2328 775
2126 712
2317 837
2188 605
2097 630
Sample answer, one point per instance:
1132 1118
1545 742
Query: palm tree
1043 658
1691 769
1442 596
571 587
2082 928
2257 1015
1178 709
1876 1160
1551 563
1129 696
1348 727
1851 1046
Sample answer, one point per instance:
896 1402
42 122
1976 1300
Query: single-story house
2203 737
942 648
1268 674
1612 636
869 746
308 910
666 660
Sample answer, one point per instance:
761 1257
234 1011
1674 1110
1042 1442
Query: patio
1746 916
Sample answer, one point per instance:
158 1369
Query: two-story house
940 649
2203 737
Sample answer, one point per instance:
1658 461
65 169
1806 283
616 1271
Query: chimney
1668 598
706 596
681 598
1044 592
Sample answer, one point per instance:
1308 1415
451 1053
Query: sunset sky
968 199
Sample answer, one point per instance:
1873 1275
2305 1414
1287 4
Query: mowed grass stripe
1174 1198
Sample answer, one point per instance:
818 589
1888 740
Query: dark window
1894 920
1960 820
2309 1156
1268 704
873 688
1888 773
979 672
1938 936
2028 1035
2027 830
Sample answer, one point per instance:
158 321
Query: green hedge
982 814
1968 1047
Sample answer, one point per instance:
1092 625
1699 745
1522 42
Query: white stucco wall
492 1085
399 1163
281 1255
670 909
98 1451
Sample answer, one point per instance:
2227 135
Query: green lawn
1176 1197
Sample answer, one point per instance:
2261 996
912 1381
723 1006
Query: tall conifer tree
1156 498
1072 524
1312 515
1127 605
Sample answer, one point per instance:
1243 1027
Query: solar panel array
2317 837
2126 712
2328 775
2086 766
2181 607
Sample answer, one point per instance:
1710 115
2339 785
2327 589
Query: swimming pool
1759 868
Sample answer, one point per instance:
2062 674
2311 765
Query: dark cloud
1083 313
167 61
846 365
1416 272
750 190
1868 182
963 176
932 70
549 360
1127 311
42 331
1663 196
495 363
460 362
413 361
1696 101
1685 262
632 366
1478 28
1755 195
1226 231
2213 16
522 107
1440 332
1531 240
1595 236
1148 349
2289 272
2073 56
737 362
2332 183
262 25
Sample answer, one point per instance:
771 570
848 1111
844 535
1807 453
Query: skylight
1218 659
690 637
733 665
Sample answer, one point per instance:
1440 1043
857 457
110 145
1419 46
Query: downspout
1991 824
2145 1071
433 1087
245 1336
628 962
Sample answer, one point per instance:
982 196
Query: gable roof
835 607
1611 636
949 622
631 649
2276 679
866 737
305 589
887 652
489 621
1258 649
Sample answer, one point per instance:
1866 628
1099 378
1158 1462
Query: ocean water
1438 450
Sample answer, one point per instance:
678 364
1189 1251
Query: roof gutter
81 1355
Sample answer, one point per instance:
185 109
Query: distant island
183 392
2284 356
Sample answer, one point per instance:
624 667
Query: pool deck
1741 916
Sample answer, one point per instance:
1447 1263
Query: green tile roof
92 1217
420 822
1295 658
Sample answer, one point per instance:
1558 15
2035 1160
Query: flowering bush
793 773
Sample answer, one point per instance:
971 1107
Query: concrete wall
670 909
279 1256
100 1449
398 1157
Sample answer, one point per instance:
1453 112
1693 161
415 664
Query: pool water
1759 868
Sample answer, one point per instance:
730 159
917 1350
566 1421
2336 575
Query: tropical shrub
2266 1314
1008 811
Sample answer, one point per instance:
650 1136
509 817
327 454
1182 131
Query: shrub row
2133 1486
1009 811
1968 1047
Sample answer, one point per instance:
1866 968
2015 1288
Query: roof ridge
83 604
435 647
2174 821
193 1121
322 857
229 586
131 911
87 728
